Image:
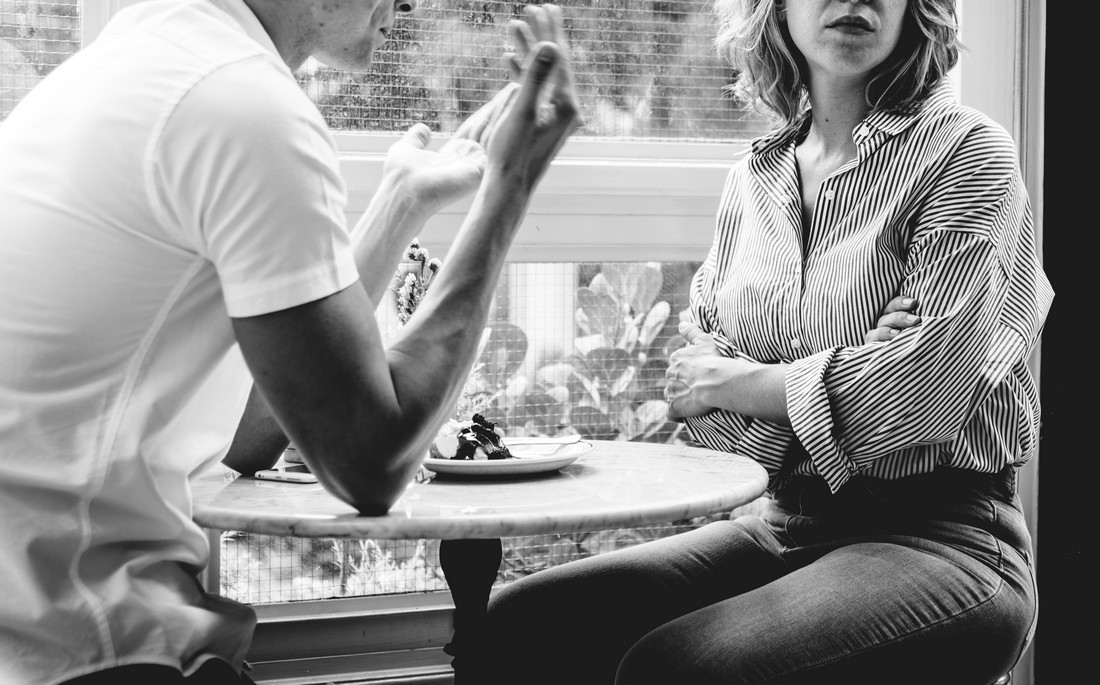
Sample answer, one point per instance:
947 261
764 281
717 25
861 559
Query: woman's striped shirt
933 207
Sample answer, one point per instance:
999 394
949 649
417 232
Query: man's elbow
248 462
372 488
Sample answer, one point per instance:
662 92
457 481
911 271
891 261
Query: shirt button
830 194
796 343
863 130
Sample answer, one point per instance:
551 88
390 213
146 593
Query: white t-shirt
168 176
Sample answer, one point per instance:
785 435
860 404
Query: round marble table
614 485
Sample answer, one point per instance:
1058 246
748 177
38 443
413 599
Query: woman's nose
405 6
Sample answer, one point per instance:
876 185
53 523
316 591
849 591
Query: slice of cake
478 438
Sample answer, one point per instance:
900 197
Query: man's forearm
381 236
437 347
390 223
259 440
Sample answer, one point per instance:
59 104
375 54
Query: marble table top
614 485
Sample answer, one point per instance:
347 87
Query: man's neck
288 26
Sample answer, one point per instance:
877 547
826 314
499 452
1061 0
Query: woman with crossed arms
893 548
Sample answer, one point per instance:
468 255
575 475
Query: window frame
624 201
599 201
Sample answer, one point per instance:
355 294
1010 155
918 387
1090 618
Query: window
35 37
645 71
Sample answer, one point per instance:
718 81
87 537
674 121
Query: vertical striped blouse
933 207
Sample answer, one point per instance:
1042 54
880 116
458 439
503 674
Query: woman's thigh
903 612
573 623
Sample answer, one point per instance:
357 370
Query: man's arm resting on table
259 440
415 184
363 416
390 223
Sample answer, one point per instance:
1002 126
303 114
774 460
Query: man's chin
347 61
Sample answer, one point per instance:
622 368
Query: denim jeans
213 672
927 579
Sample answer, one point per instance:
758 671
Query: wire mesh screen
574 347
261 569
35 37
570 348
644 71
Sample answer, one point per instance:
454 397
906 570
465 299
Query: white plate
529 457
531 447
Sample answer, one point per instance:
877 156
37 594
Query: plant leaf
609 364
503 352
591 423
634 284
601 312
654 321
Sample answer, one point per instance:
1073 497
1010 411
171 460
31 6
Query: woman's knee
645 663
667 655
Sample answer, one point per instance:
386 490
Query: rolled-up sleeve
972 266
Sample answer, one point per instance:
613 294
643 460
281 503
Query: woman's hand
895 317
692 370
697 371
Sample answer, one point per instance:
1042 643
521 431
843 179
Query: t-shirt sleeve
246 174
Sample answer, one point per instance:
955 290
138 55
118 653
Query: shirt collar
243 15
894 123
889 123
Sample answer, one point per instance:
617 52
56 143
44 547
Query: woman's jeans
923 580
213 672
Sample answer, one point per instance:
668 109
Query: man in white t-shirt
172 232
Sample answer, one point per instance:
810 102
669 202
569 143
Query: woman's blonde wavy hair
771 73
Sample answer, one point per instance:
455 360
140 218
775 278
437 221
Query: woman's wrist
767 391
751 389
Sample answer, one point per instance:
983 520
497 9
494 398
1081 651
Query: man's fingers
475 124
540 60
478 126
539 19
522 37
538 70
418 135
501 103
513 65
556 26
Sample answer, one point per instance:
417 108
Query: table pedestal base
470 567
